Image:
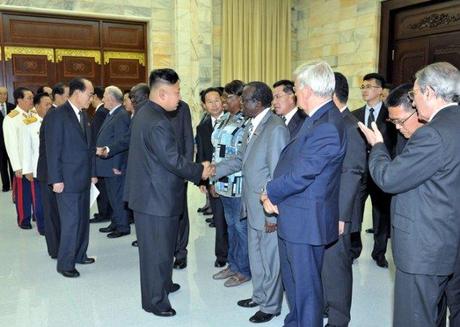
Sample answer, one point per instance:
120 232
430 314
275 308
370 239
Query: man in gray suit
264 139
426 208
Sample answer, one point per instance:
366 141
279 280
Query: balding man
113 168
5 166
70 159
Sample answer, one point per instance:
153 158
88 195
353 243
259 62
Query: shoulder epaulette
13 113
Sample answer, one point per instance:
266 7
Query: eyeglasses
411 95
368 87
401 122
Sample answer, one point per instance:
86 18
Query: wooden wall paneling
124 69
123 36
73 63
52 32
445 48
30 68
410 56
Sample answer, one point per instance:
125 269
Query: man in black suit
425 210
375 110
5 166
155 189
181 121
337 275
113 169
59 94
285 105
70 157
210 99
103 204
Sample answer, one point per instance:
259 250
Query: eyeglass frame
401 122
368 87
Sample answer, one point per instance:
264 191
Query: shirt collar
436 112
257 119
376 107
311 113
75 109
111 111
289 115
213 120
99 105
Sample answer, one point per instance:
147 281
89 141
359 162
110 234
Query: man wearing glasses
375 111
426 205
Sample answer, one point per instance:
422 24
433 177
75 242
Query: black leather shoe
382 262
107 229
134 243
53 256
219 263
71 273
207 212
209 220
167 313
199 210
180 263
116 234
174 288
370 231
87 261
212 225
97 218
5 189
248 303
25 226
260 317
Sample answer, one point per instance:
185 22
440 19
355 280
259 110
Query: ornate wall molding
139 56
78 53
435 20
10 51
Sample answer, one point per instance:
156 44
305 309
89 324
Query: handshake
102 152
209 170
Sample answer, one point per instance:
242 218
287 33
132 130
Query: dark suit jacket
426 206
156 170
181 121
307 180
296 122
42 167
387 129
353 171
113 129
98 120
70 157
9 107
204 148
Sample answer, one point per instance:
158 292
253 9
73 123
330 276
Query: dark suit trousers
184 231
52 224
337 277
5 170
114 187
103 205
301 266
453 295
74 217
221 245
381 221
419 300
156 237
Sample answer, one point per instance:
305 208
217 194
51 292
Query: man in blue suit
70 157
305 194
113 168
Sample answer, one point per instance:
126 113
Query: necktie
371 118
284 119
82 122
250 130
4 109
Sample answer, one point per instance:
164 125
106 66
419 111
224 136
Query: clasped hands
269 207
209 170
102 152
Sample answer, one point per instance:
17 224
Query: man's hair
19 93
318 76
234 87
58 88
262 93
38 97
400 96
378 78
77 84
139 93
341 90
208 90
115 92
288 86
41 89
442 77
164 76
99 92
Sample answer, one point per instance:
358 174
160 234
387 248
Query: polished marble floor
108 295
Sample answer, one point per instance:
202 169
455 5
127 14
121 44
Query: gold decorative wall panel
78 53
139 56
10 51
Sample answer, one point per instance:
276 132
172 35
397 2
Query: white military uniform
31 146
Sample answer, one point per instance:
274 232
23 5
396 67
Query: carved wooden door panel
445 48
124 69
409 56
73 63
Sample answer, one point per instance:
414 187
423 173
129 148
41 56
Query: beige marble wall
181 34
343 32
